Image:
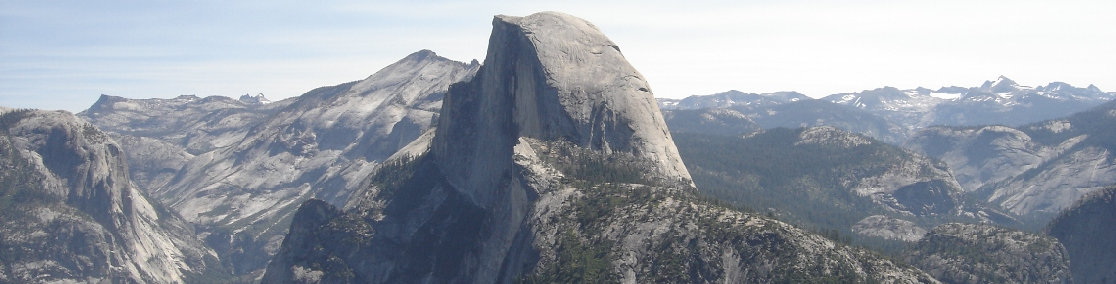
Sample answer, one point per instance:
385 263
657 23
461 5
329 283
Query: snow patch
946 96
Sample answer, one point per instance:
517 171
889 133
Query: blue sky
64 54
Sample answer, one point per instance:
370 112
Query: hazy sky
64 54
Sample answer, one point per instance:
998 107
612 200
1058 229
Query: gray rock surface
888 228
552 165
71 213
1086 230
240 169
551 77
965 253
1034 170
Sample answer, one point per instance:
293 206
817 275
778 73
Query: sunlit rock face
71 213
550 76
240 168
552 164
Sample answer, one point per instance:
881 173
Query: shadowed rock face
550 76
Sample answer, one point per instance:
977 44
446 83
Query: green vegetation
577 262
801 183
811 184
588 167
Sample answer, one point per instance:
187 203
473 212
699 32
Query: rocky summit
552 164
549 77
240 168
70 213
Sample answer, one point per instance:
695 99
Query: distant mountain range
1034 170
553 162
901 113
1057 148
998 102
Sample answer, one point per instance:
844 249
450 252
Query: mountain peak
103 102
258 99
1001 85
1093 88
421 55
551 77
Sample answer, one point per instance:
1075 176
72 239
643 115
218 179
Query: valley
552 161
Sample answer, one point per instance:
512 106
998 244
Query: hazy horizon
63 55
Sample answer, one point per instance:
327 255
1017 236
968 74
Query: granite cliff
552 164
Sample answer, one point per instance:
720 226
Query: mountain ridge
1033 170
579 195
318 145
71 212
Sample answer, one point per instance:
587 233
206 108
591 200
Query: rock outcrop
884 227
1085 229
240 168
70 213
161 135
549 77
552 165
1035 170
965 253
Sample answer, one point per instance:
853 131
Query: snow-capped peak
1001 85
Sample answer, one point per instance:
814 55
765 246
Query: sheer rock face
550 76
551 165
71 213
